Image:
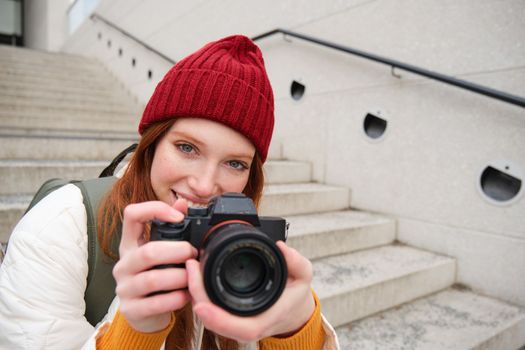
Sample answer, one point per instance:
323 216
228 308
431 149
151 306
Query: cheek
160 168
156 176
235 183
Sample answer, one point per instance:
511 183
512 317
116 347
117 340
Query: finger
136 215
196 282
181 204
138 309
219 321
298 266
153 254
151 281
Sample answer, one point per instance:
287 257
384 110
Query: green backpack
100 289
101 285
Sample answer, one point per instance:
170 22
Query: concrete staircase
378 293
60 116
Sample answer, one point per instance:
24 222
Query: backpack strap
101 285
46 188
100 290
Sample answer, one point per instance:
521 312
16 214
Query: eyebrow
200 144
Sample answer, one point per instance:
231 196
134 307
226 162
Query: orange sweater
121 335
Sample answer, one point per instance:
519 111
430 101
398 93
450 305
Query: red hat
225 81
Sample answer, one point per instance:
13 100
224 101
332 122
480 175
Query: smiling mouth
190 203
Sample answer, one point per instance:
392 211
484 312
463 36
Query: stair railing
95 17
483 90
476 88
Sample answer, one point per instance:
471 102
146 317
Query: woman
205 131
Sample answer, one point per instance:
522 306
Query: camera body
229 206
244 271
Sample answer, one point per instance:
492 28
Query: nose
204 183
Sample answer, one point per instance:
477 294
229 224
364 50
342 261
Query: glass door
11 22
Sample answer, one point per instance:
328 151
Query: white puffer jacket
43 279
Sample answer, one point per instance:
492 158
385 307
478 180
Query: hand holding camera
288 315
243 270
134 271
244 285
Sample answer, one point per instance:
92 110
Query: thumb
298 266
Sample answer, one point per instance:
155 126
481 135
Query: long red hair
135 187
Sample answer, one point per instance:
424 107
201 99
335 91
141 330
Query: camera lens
244 271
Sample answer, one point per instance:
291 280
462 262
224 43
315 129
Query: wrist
152 324
307 311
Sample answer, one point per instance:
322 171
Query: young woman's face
199 159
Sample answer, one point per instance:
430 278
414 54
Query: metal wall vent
374 125
297 90
501 183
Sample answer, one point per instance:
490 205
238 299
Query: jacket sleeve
330 340
43 276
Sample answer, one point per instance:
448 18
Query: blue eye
237 165
186 148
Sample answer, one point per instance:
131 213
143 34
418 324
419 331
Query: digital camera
243 269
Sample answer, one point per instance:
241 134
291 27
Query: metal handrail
96 16
480 89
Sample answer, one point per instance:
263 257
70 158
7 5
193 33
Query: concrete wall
45 24
426 168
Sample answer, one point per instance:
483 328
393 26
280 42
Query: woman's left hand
287 316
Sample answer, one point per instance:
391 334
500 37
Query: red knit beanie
225 81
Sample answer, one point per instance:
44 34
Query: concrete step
11 210
78 70
356 285
100 113
43 58
286 171
77 120
60 144
71 81
9 103
339 232
26 176
91 69
295 199
20 56
454 319
82 97
87 67
15 88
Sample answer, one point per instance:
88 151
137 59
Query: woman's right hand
134 273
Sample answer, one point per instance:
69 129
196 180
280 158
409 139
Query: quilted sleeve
43 276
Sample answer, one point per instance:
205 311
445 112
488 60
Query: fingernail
176 215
